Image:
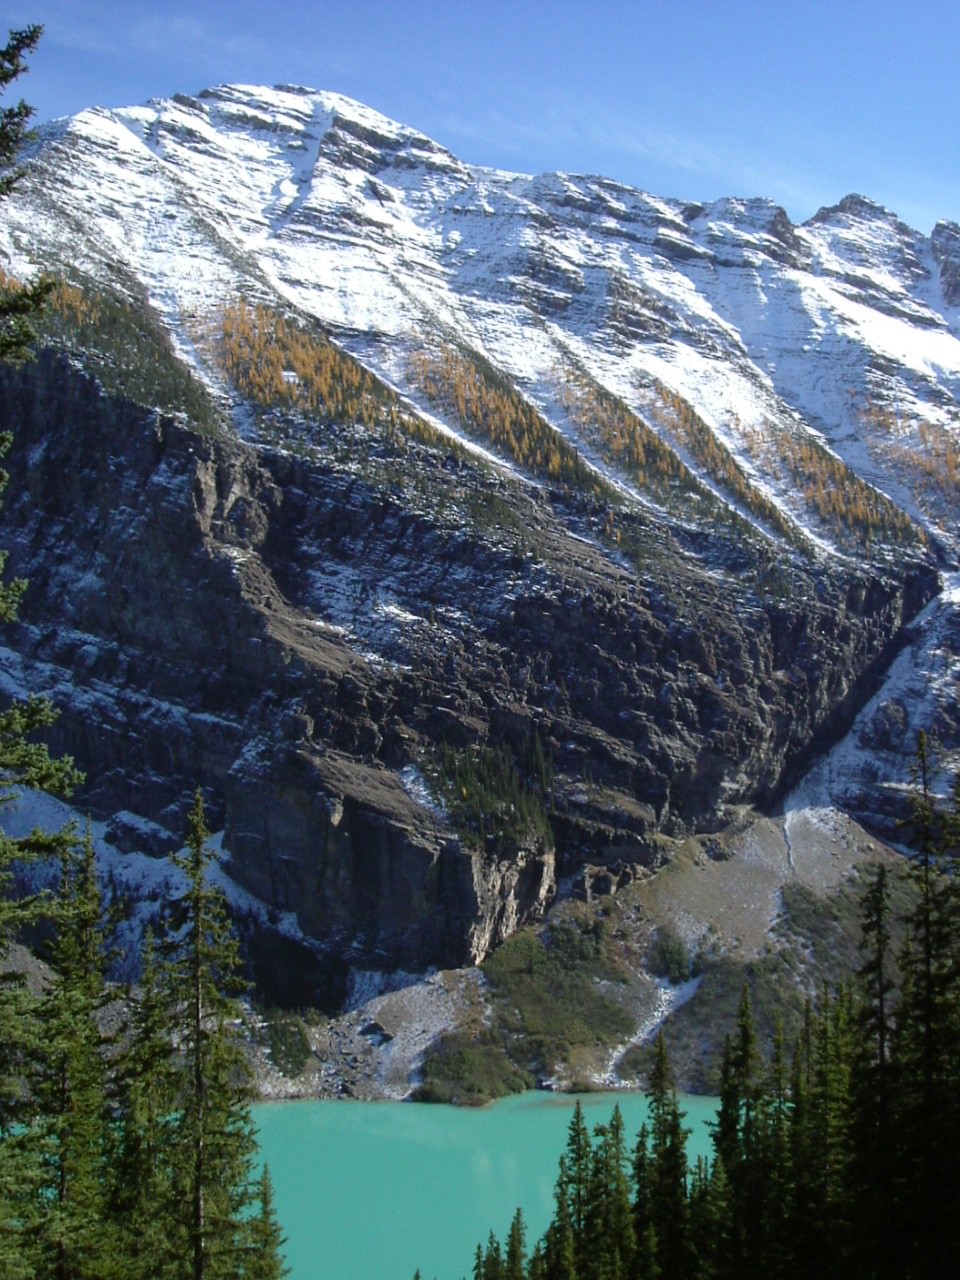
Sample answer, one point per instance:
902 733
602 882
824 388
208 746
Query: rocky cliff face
303 640
492 531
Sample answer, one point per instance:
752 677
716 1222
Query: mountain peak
297 101
855 206
518 462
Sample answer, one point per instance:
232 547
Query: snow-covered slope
362 461
621 375
845 330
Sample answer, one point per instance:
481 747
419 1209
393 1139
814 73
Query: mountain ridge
488 460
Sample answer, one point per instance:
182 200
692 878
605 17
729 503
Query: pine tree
927 1040
711 1244
537 1266
668 1184
877 986
645 1265
493 1259
70 1087
773 1180
735 1134
830 1106
516 1255
920 983
608 1220
212 1135
265 1238
17 305
804 1152
24 763
559 1245
873 1156
574 1181
142 1202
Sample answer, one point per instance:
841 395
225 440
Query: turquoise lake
374 1190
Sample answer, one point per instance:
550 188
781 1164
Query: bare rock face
945 241
339 841
292 634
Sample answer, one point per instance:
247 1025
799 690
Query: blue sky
802 102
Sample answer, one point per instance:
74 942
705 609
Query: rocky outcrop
945 241
293 634
367 869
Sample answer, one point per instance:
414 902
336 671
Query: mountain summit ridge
373 228
380 461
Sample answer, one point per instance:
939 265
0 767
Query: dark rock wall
183 596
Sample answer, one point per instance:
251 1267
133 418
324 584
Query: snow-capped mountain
844 330
488 459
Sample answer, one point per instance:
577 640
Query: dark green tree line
839 1164
23 764
17 305
130 1151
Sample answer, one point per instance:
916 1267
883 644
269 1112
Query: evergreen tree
265 1238
70 1086
711 1242
574 1181
559 1244
645 1265
23 764
831 1136
143 1204
877 987
537 1266
669 1169
739 1078
608 1220
920 985
212 1138
516 1249
17 306
735 1135
493 1259
772 1179
927 1040
873 1170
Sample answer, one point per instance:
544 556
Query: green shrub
470 1071
546 995
668 956
287 1043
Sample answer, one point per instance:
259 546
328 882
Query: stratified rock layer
291 636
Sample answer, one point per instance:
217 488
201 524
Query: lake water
374 1190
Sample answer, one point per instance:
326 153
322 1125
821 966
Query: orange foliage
486 406
619 436
846 504
278 365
